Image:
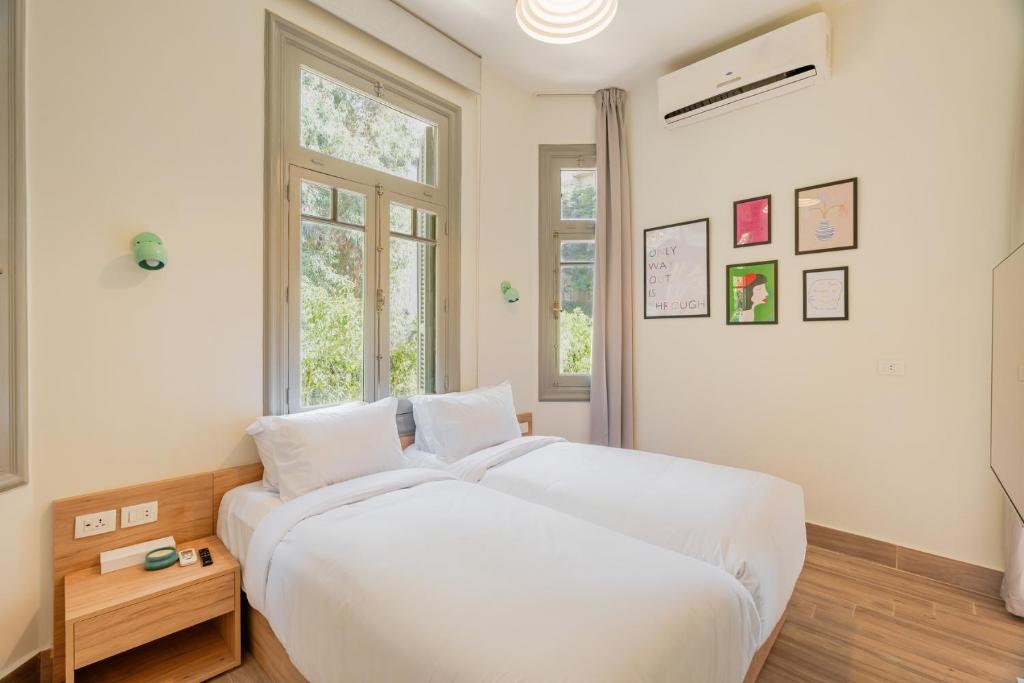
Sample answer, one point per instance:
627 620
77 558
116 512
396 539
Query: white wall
923 108
513 123
150 116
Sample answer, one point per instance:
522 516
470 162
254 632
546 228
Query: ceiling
647 38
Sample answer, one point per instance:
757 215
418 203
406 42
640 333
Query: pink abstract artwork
752 222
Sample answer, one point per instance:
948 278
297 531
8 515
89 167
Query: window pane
331 310
401 219
352 126
578 250
579 194
412 325
351 207
426 225
575 321
315 199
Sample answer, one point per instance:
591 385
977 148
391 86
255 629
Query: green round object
159 558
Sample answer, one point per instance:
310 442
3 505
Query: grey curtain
611 388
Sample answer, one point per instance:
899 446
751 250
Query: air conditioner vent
807 71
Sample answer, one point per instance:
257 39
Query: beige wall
513 123
150 116
923 108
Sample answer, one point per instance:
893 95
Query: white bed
748 523
413 575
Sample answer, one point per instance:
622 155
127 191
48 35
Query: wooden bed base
188 510
270 654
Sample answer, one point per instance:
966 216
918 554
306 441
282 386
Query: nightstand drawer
122 629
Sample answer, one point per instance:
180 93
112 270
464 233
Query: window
568 212
362 274
13 467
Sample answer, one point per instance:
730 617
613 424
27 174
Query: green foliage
579 197
576 338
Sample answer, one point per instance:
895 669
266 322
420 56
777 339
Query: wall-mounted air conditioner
787 59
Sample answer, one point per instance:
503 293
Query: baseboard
953 572
35 669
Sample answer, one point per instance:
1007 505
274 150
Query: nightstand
178 623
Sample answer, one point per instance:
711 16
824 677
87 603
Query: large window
13 468
361 274
568 211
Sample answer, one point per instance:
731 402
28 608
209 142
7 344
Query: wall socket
134 515
95 523
891 367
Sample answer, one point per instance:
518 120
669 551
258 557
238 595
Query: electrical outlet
891 367
95 523
134 515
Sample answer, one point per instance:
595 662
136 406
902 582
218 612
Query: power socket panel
142 513
95 523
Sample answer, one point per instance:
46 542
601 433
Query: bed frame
188 510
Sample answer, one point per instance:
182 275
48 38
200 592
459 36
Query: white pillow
322 447
262 431
451 426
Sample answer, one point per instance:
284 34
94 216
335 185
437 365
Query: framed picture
752 221
752 291
826 217
677 266
825 294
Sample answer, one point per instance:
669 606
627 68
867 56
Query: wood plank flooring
854 620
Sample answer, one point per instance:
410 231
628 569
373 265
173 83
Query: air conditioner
787 59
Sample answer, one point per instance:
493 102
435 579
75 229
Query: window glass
342 122
576 306
579 194
412 328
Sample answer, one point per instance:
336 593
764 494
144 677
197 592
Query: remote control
204 557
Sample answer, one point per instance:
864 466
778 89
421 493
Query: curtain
611 388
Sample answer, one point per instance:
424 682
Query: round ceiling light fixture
564 21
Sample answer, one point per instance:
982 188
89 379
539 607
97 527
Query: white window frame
13 452
554 386
289 47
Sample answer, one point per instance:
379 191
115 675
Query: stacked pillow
306 451
451 426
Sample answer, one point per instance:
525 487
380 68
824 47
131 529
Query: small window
341 122
568 212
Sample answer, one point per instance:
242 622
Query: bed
748 523
416 575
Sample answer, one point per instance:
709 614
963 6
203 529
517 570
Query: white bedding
413 575
748 523
241 510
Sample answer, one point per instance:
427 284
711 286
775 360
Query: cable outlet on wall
891 367
95 523
134 515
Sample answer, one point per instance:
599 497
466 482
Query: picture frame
825 216
827 293
677 270
752 221
752 293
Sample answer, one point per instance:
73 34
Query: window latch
380 300
555 310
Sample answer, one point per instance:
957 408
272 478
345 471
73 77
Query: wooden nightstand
178 623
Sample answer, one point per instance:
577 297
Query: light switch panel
142 513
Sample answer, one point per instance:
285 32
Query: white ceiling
647 37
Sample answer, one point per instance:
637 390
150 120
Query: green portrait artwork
752 293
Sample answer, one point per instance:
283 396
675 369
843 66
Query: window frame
289 47
553 385
13 347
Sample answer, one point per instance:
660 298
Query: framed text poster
677 270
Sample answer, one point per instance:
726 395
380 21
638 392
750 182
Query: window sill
10 481
565 394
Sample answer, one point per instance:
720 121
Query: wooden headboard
187 509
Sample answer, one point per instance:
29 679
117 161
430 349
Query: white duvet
748 523
412 575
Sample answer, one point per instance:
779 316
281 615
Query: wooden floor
853 620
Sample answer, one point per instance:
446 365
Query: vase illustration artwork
827 217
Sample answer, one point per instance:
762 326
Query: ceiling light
564 21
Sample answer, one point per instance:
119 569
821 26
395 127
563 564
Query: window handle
380 300
555 310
